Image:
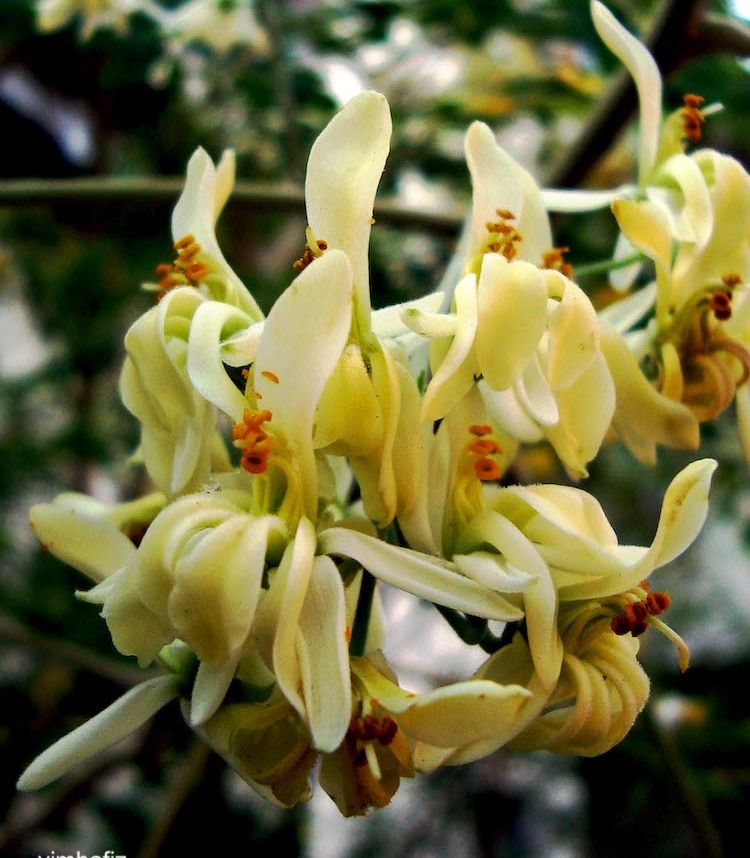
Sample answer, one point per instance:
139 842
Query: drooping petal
217 584
647 227
539 598
643 417
638 61
301 344
573 332
454 715
695 215
683 513
212 682
103 730
87 542
586 408
533 393
512 310
343 173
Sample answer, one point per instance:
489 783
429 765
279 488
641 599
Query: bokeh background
137 103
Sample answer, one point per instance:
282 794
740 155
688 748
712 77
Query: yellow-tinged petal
89 543
454 715
573 332
647 228
427 577
643 417
683 513
343 173
288 592
302 341
586 408
217 582
512 310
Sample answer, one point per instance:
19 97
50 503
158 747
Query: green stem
362 615
607 265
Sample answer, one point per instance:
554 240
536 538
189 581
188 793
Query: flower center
313 249
185 270
503 235
554 259
700 365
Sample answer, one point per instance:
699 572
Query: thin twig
266 196
182 786
694 804
70 653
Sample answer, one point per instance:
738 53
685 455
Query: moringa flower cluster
303 458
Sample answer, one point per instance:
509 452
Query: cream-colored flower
219 24
685 366
528 332
54 14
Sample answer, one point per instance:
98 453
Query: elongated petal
512 309
424 576
302 341
639 62
343 173
88 543
539 598
494 572
213 323
289 591
627 312
323 654
105 729
388 322
562 200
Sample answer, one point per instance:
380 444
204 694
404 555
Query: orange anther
480 429
271 376
486 469
732 279
657 603
484 447
183 242
504 213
